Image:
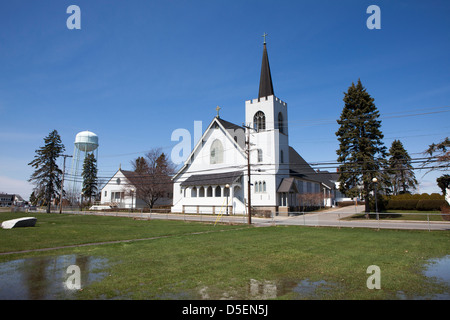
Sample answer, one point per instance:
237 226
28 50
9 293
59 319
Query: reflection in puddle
263 290
43 278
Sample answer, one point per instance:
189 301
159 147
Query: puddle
265 289
46 278
439 269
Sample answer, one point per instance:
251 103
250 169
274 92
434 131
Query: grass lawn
195 260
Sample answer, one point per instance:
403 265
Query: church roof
287 185
265 82
301 169
228 125
212 179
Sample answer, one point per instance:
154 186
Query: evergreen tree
444 183
400 169
361 149
140 165
89 175
47 176
33 199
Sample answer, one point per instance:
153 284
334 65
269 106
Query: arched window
256 187
260 187
218 191
259 121
216 152
280 122
260 155
209 192
264 187
201 192
194 192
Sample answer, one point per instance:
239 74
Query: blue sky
138 70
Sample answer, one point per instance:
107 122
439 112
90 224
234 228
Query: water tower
86 142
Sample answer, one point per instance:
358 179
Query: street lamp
375 180
227 190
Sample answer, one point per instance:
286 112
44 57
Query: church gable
221 146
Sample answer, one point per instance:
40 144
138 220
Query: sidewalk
332 217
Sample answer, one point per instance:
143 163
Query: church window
259 121
264 187
256 187
194 192
218 191
280 122
260 155
209 192
216 152
201 192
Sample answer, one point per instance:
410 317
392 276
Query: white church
214 178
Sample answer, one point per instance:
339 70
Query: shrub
430 204
409 204
422 201
346 203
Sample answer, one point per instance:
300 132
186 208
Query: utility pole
62 182
249 195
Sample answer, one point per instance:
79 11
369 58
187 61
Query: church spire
265 82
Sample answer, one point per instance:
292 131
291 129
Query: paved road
334 218
329 218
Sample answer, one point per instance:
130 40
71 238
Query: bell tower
268 118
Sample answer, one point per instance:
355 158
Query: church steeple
265 82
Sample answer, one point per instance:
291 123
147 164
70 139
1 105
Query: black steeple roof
265 82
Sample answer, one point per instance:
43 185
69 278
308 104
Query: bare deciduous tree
151 179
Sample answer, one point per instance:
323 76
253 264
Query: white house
121 192
214 178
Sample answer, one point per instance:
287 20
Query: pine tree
140 165
444 183
47 176
400 170
89 175
361 149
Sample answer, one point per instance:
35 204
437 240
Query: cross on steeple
218 109
265 35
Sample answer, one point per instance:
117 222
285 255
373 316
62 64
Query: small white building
214 178
121 192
